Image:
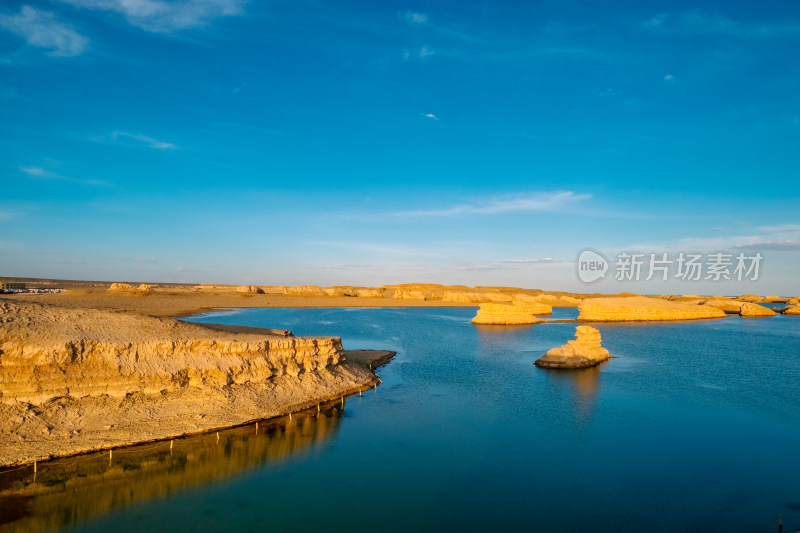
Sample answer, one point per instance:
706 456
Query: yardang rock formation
583 352
74 380
642 308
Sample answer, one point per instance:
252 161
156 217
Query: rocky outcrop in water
749 309
727 305
641 308
498 314
753 298
583 352
73 380
791 310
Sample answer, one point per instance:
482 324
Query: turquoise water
695 427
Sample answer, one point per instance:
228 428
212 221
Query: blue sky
294 142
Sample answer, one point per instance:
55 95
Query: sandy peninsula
74 379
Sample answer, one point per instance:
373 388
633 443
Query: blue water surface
694 427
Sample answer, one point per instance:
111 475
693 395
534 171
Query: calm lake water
695 427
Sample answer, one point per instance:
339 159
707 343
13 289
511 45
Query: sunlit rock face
583 352
508 314
641 308
80 379
749 309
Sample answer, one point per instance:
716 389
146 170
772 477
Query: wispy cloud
143 260
378 248
39 173
43 30
161 16
507 203
532 260
418 53
508 264
429 115
775 238
708 23
770 245
118 136
415 18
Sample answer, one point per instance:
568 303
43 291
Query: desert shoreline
333 372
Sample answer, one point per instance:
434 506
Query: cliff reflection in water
69 491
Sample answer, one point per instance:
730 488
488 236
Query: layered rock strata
583 352
498 314
749 309
73 380
641 308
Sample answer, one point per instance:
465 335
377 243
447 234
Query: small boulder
583 352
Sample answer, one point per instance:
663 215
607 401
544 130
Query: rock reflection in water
586 382
68 491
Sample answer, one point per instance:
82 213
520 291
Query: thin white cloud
771 245
117 136
508 203
709 23
145 260
378 248
784 237
43 30
162 16
533 260
669 78
429 115
39 173
415 18
419 53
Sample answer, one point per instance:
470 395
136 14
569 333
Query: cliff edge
642 308
75 380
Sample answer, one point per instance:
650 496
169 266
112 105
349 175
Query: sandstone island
583 352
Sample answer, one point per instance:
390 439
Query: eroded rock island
518 313
583 352
642 308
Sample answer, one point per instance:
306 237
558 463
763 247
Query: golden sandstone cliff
73 380
583 352
519 313
730 306
641 308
